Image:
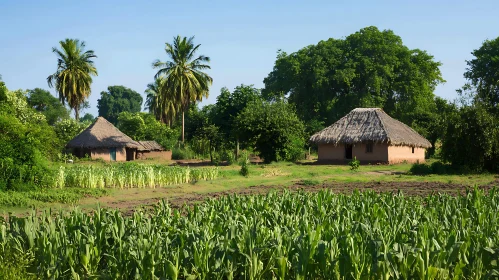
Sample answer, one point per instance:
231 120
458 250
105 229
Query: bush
244 162
420 169
183 153
354 164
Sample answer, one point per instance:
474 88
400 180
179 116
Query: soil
408 188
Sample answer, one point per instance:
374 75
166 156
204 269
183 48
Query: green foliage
67 129
87 118
472 140
244 162
184 152
26 141
370 68
42 101
34 198
129 175
144 126
436 167
354 164
73 77
118 99
183 77
310 182
273 129
287 235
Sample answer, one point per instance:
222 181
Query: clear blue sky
240 37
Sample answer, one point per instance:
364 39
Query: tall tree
73 77
43 102
183 74
118 99
370 68
162 106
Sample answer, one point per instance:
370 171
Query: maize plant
281 235
130 175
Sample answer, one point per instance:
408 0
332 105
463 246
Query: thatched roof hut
102 134
150 146
370 135
362 125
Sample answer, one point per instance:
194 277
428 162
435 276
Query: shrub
354 164
420 169
244 162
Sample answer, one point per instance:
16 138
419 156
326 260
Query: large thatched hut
103 140
370 135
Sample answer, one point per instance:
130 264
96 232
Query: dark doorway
112 154
130 154
348 151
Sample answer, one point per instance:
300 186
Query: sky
241 37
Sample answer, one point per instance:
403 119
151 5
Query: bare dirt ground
178 201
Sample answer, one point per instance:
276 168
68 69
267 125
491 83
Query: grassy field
261 179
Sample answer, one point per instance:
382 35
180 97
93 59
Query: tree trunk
237 148
183 126
77 113
211 153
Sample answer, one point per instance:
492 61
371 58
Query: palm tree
183 74
73 77
162 106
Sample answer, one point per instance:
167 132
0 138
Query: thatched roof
102 134
150 146
369 124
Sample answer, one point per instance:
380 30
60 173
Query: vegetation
143 126
35 198
183 75
118 99
129 175
73 77
294 236
273 129
43 102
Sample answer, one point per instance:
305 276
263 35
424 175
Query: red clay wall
398 154
105 154
379 153
166 155
330 152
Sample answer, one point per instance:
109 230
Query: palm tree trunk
183 126
77 113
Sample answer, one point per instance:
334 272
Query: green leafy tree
144 126
230 104
370 68
73 77
42 101
483 75
67 129
163 106
183 75
471 141
87 118
26 142
274 129
118 99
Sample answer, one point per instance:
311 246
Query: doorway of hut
130 154
348 151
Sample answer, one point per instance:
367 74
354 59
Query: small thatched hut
151 149
103 140
370 135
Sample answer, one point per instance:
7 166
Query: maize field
281 235
130 175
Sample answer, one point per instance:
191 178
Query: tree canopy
73 76
42 101
273 128
370 68
184 79
118 99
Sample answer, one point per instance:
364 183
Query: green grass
36 198
269 175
